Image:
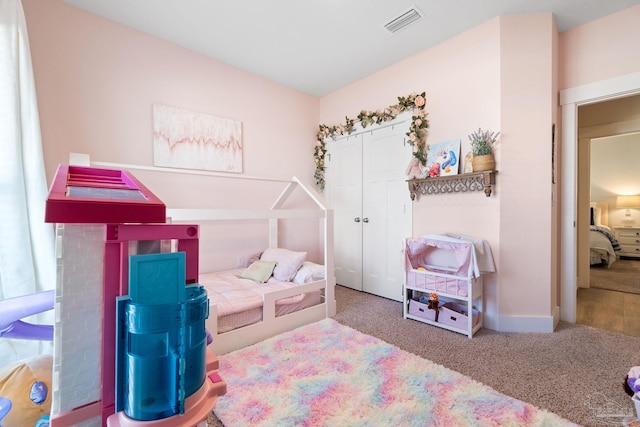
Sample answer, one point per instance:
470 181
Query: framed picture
190 140
445 156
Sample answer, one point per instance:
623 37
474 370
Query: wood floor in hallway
609 310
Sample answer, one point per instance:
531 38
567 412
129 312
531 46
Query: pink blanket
232 294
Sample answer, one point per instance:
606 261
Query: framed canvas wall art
191 140
445 156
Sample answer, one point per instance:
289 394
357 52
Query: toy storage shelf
456 293
475 181
450 266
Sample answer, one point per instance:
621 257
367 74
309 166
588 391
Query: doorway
608 153
570 100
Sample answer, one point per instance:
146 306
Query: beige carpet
575 372
622 276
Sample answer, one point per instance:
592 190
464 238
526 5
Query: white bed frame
270 324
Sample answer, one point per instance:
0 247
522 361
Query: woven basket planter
483 163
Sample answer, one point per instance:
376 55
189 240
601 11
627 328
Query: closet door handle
356 219
365 219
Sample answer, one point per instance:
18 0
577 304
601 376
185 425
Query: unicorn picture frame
446 156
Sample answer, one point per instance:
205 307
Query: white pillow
309 272
287 262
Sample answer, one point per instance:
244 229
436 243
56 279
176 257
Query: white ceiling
319 46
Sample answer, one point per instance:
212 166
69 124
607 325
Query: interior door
387 210
344 191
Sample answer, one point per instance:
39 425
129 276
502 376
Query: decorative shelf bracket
475 181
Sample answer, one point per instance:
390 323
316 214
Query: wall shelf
475 181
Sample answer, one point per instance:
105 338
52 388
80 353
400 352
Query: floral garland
417 130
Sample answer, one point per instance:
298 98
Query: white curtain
27 256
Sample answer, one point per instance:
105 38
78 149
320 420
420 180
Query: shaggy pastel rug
327 374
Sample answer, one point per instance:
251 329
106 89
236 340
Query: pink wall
461 78
504 74
97 80
602 49
526 109
476 80
456 75
591 55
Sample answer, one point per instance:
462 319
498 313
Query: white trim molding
514 323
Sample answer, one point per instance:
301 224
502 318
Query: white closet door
387 211
344 188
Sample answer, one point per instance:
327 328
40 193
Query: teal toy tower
161 338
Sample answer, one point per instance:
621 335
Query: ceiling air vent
403 20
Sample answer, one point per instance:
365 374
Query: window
27 261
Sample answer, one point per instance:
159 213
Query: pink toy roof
82 194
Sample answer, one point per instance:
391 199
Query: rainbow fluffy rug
327 374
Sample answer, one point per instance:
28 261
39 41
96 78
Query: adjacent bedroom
609 267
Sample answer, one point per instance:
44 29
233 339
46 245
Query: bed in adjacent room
603 243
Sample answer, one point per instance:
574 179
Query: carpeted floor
622 276
329 374
575 372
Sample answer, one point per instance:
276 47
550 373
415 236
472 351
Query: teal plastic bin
161 345
195 355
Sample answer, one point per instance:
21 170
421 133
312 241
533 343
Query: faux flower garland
417 130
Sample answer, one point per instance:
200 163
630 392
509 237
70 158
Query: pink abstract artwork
190 140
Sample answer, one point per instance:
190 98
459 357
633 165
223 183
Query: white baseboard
505 323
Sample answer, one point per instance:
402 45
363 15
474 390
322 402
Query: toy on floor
102 215
25 392
632 381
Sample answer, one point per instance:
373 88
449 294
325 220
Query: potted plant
482 149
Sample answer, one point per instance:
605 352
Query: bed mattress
601 249
239 301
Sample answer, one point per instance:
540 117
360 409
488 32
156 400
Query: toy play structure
106 219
